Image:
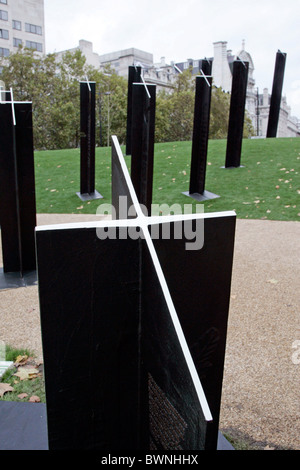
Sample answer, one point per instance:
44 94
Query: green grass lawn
266 187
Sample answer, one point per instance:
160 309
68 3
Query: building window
4 52
3 1
16 25
3 15
17 42
186 65
3 34
32 28
34 45
195 63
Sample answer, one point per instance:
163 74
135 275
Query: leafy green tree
111 106
44 82
219 113
52 86
174 117
175 112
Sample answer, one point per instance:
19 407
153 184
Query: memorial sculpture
17 187
200 135
118 331
236 114
125 316
87 142
276 94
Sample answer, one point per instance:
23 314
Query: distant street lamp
257 112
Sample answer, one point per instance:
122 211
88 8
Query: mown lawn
265 187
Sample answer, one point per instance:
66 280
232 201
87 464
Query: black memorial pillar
200 136
87 141
236 114
134 76
17 188
142 141
154 341
206 66
276 94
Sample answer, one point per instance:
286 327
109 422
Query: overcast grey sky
181 29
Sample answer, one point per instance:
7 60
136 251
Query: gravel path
260 401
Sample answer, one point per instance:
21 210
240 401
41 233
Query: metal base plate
89 196
15 280
201 197
24 427
232 167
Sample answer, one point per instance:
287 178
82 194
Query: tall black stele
87 141
200 135
236 114
142 141
134 76
276 94
17 188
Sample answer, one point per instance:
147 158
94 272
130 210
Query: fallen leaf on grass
26 373
5 388
34 399
22 395
21 360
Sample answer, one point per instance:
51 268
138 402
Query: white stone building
121 60
257 105
21 23
288 126
86 47
160 74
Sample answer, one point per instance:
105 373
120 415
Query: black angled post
236 114
200 134
87 141
276 94
17 188
142 141
134 76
